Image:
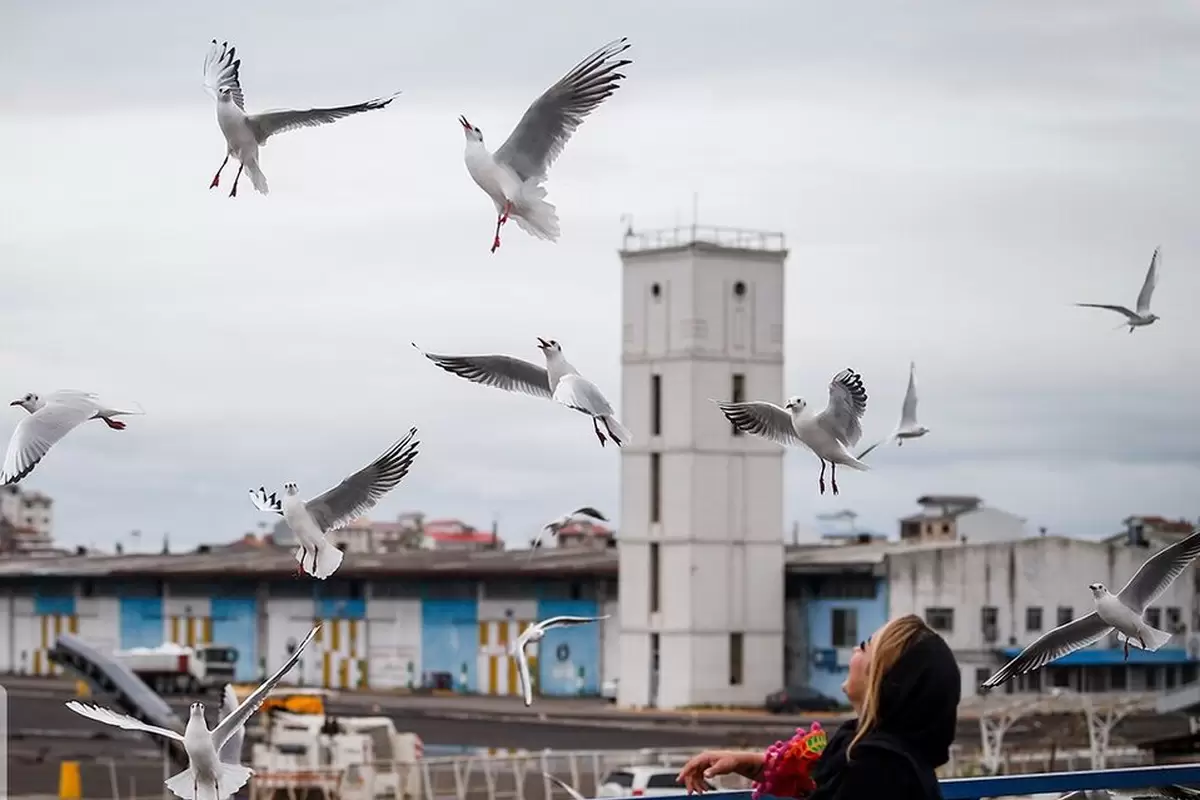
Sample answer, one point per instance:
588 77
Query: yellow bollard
68 781
82 689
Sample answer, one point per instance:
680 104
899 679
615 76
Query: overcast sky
950 176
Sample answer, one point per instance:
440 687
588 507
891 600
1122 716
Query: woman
905 686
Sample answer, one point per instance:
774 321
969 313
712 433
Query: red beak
466 125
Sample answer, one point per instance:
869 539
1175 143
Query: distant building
454 534
26 521
582 533
841 527
959 518
1152 531
362 535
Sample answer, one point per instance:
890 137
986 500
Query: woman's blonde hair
886 648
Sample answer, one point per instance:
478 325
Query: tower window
655 290
654 577
736 658
655 487
655 405
738 395
739 289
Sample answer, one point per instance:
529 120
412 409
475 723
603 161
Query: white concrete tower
701 540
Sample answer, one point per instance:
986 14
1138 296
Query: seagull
245 133
908 427
535 633
513 175
566 787
231 752
342 504
554 526
207 777
558 381
1142 316
830 434
1123 611
50 419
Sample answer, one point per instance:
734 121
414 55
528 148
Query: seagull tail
329 558
256 176
619 433
852 462
1154 639
230 777
534 215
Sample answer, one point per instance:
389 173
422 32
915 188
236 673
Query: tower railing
685 235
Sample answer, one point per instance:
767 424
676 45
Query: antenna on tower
695 213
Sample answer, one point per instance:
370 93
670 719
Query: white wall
989 525
393 642
291 617
100 622
610 641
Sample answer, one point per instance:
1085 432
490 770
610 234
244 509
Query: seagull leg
501 218
115 424
821 480
1126 648
507 210
233 192
833 476
216 181
596 428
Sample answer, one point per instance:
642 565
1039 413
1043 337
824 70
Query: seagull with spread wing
513 175
1142 315
246 133
830 434
535 633
50 419
1124 611
555 525
208 777
343 503
231 752
558 381
908 427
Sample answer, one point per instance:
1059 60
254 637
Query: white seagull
50 419
908 427
558 381
207 777
231 752
514 174
246 133
343 503
1123 611
1142 316
556 525
830 434
535 633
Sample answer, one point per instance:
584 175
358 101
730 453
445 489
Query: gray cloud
951 179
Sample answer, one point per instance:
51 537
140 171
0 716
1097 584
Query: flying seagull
566 787
50 419
830 434
231 752
558 381
342 504
1123 611
207 777
1142 316
535 633
908 427
556 525
513 175
246 133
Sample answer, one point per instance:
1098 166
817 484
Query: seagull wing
1118 309
574 793
1154 576
577 392
761 419
502 372
523 672
542 133
908 414
847 403
221 69
588 511
266 502
269 123
560 622
231 752
1075 635
359 493
37 433
120 720
1143 301
863 454
236 720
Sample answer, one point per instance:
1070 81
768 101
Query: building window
1154 617
655 487
655 405
1174 619
844 622
735 659
738 396
653 577
1065 615
1033 618
982 674
940 619
989 623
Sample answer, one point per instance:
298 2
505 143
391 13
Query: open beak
15 403
463 121
543 344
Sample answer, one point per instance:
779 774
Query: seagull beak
463 121
15 403
542 343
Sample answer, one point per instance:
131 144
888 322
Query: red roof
456 536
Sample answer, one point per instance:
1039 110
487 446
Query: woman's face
855 685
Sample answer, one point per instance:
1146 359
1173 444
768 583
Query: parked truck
177 669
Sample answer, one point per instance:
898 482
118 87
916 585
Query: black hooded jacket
918 715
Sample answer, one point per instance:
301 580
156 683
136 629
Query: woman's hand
712 763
